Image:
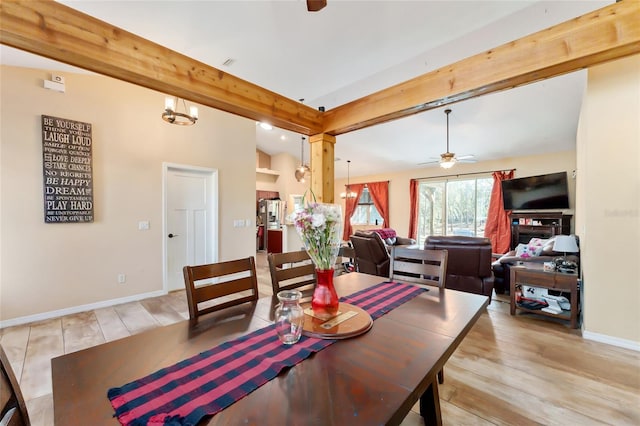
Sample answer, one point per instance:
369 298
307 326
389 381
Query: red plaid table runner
205 384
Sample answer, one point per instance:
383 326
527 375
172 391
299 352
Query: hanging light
348 193
448 159
172 114
302 170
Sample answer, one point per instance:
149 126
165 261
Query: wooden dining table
374 378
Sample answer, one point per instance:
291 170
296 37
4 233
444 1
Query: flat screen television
541 192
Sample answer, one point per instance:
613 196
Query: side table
534 275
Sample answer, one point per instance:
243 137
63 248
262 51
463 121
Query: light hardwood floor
508 371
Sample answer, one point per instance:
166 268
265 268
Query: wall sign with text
67 170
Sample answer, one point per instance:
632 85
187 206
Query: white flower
320 228
318 220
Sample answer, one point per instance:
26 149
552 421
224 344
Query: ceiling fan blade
429 162
465 157
467 160
316 5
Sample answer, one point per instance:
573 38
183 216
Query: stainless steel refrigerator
271 215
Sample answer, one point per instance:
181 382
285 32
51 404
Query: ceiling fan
315 5
448 159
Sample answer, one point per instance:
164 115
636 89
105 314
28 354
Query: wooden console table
535 276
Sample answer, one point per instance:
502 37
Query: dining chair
13 408
216 286
291 270
419 266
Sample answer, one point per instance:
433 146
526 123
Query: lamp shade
565 244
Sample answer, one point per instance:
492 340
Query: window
366 212
453 207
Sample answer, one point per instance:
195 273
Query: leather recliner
371 252
469 262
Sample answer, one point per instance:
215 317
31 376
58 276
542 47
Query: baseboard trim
615 341
81 308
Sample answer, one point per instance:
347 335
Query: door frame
212 175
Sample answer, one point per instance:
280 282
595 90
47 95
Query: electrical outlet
122 278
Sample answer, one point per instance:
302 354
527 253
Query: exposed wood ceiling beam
64 34
55 31
609 33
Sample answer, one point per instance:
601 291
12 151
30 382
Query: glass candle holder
289 316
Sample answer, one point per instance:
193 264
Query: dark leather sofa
468 264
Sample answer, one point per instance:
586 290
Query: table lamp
565 244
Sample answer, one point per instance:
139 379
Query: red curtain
498 227
413 208
350 207
379 192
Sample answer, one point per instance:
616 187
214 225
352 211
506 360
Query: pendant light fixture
348 193
448 159
303 169
172 114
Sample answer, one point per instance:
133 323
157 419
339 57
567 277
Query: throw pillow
536 245
525 251
547 249
537 242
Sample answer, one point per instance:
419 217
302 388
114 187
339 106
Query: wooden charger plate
357 323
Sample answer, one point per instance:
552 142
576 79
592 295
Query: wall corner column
322 166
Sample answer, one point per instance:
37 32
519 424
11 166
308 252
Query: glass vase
289 316
325 299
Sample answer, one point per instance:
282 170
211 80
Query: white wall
48 267
609 202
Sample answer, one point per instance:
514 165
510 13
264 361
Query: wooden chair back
216 286
428 267
419 266
291 270
13 410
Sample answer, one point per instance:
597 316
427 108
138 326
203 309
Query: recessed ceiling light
266 126
283 137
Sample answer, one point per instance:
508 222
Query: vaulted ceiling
346 52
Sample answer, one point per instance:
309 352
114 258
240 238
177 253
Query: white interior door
190 221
